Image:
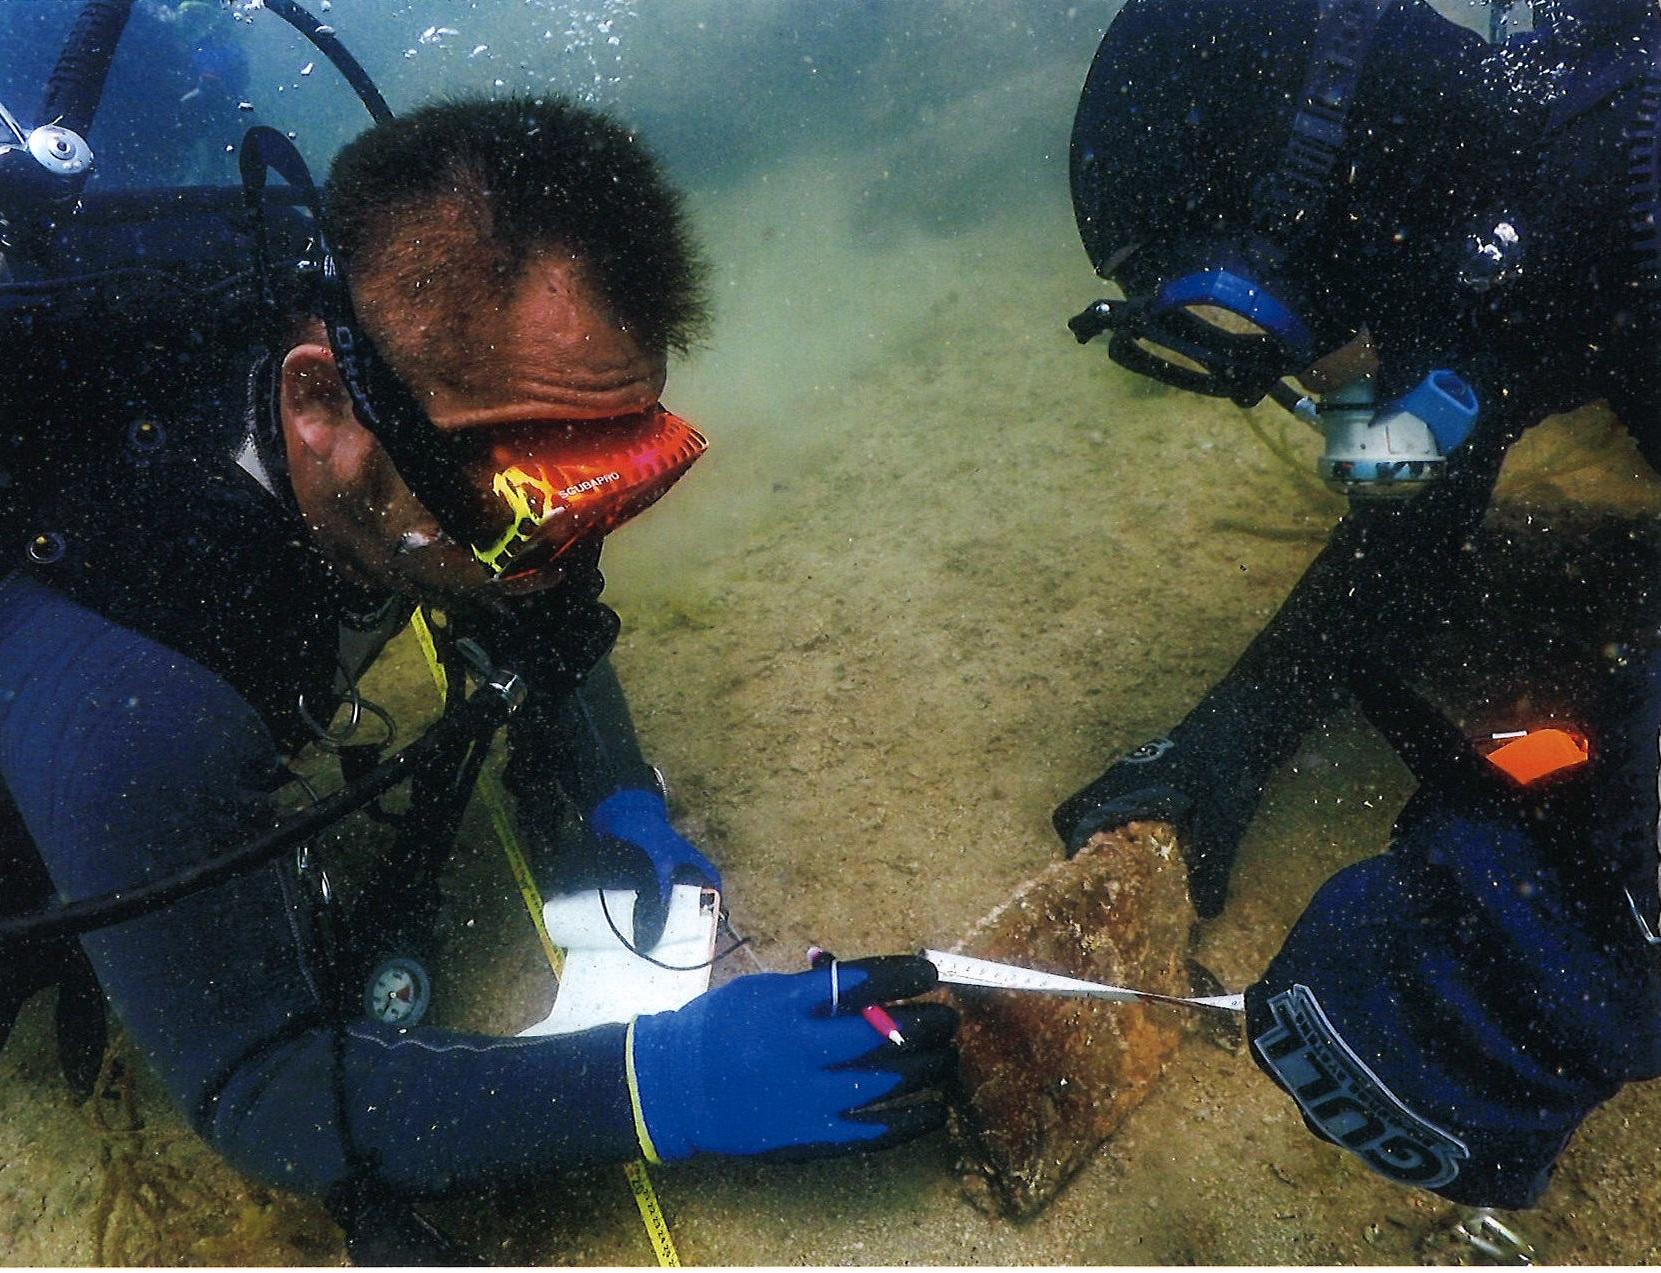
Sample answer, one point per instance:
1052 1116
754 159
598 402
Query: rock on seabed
1047 1079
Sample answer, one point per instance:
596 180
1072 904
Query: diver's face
549 353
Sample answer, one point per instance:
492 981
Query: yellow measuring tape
651 1215
490 791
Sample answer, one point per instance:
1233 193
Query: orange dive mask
522 495
548 486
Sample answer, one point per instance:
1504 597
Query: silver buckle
1494 1238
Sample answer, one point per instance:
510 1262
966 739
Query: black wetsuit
1570 329
1451 1010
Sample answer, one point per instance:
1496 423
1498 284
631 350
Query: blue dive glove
763 1065
639 820
1451 1011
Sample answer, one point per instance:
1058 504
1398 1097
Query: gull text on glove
1346 1100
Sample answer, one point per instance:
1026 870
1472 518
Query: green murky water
939 566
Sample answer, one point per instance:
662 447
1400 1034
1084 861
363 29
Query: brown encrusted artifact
1047 1079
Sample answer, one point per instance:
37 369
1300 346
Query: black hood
1189 107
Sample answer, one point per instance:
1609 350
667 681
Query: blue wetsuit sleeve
128 762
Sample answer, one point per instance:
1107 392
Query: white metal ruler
965 970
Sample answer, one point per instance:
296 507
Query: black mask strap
423 456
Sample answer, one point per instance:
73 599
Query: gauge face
398 992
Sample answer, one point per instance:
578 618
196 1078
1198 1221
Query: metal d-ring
334 740
327 739
307 869
312 874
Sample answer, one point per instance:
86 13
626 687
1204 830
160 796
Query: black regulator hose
485 711
77 82
326 42
1430 745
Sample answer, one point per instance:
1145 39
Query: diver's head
525 271
1249 176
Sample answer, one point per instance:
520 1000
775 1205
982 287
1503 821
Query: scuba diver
1265 188
256 426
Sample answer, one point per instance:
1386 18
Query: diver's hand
635 823
1451 1010
1208 797
763 1065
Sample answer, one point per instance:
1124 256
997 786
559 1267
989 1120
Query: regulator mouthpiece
1394 451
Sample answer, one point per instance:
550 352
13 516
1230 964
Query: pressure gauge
398 992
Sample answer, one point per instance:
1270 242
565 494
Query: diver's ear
325 441
316 410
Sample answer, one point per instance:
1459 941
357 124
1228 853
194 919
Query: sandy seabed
925 585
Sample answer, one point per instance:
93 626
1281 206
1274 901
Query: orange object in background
1540 753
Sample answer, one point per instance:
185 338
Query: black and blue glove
766 1065
1452 1010
634 824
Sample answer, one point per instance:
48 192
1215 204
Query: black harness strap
481 715
1644 188
1289 198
